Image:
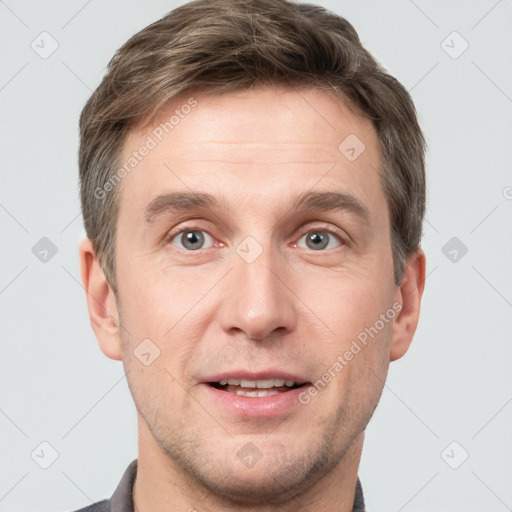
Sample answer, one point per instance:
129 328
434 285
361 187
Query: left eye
317 240
191 239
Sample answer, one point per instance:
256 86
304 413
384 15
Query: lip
253 407
244 374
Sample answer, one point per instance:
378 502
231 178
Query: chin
256 487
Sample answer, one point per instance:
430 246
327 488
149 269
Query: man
253 190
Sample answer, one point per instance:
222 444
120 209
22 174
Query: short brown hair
218 46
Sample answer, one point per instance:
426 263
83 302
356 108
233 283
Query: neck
161 485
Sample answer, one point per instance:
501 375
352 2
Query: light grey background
455 383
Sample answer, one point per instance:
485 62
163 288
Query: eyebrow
331 201
181 201
305 202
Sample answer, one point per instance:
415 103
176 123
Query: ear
101 302
408 294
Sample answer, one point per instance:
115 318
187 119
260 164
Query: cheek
169 312
155 299
355 355
360 372
347 303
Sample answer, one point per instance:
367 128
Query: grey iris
192 239
317 240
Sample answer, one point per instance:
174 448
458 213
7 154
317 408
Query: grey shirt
122 501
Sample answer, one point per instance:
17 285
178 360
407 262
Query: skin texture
294 308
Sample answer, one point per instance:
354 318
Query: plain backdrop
441 437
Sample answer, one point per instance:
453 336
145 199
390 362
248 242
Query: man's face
255 286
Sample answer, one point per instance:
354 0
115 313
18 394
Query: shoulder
100 506
122 497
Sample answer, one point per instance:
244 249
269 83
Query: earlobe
409 295
101 304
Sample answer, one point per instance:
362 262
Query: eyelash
321 229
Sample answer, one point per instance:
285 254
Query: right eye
190 239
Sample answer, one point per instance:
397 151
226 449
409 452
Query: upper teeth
265 383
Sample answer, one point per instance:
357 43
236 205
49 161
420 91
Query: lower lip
258 406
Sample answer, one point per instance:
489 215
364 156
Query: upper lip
261 375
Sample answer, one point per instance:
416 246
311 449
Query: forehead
259 139
258 116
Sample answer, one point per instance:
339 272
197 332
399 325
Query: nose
258 302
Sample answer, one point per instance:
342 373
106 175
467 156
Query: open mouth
259 388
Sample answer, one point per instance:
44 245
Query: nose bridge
259 302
